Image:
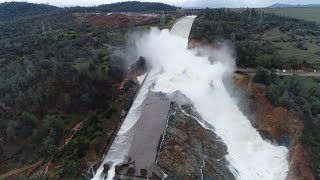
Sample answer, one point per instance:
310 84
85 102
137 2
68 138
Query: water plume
200 79
199 75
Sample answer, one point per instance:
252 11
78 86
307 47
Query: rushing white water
182 28
141 78
201 81
121 145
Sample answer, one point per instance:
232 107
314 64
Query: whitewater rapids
202 82
176 68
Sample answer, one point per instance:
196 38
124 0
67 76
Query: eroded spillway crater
189 150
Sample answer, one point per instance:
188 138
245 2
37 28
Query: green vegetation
13 10
10 11
56 72
42 94
262 77
262 39
135 6
309 14
302 96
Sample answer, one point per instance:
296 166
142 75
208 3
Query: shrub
262 76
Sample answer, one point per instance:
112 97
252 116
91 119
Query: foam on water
183 70
201 81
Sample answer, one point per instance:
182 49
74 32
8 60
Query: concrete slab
147 136
148 132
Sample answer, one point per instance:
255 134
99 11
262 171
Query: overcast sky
181 3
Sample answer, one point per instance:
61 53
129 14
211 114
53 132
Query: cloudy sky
181 3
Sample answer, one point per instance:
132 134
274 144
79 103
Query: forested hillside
262 39
135 6
12 10
302 96
58 75
53 74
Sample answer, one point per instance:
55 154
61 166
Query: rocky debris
139 67
65 141
37 175
189 151
130 87
194 43
277 124
106 167
128 170
130 84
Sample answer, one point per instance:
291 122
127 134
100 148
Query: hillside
278 5
57 76
269 40
62 88
306 13
12 10
135 6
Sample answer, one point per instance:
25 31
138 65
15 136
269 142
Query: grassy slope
285 43
309 14
288 49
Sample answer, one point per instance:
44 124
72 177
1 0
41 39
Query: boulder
106 167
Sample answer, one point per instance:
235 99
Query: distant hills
135 6
278 5
12 10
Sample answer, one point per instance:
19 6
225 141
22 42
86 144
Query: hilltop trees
11 130
135 6
262 77
302 96
12 10
246 29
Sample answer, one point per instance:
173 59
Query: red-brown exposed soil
276 123
117 20
193 43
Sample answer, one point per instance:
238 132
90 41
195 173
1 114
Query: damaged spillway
178 69
133 152
133 148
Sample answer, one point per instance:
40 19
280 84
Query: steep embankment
277 124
